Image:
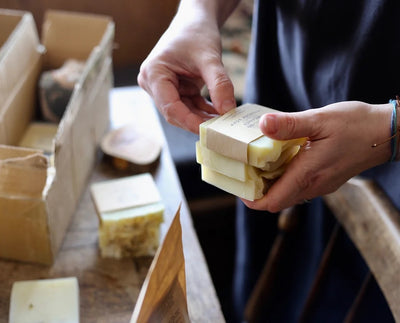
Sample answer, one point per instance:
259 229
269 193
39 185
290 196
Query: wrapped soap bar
237 135
130 211
234 152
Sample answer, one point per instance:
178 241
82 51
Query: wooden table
109 287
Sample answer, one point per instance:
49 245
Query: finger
219 86
168 101
281 195
285 126
200 106
190 87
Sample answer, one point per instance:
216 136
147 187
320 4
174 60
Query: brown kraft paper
163 294
231 133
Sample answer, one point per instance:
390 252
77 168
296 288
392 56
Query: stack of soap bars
236 157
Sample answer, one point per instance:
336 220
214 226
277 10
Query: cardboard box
38 194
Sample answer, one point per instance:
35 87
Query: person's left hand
339 147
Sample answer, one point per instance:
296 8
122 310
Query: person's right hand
186 57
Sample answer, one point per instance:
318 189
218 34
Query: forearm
210 11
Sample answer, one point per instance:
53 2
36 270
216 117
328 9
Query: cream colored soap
40 135
236 156
251 189
46 300
241 171
265 150
235 177
222 164
260 151
130 211
132 232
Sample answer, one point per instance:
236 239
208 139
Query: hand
339 147
188 56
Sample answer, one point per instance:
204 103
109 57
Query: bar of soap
40 135
130 213
251 189
222 164
46 300
259 152
132 232
236 157
235 177
265 151
239 170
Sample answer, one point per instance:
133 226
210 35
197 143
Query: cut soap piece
261 156
40 135
131 232
249 190
222 164
130 212
46 300
239 170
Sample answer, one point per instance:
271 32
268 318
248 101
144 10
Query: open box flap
9 21
94 44
19 51
71 35
23 172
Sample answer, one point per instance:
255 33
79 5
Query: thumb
219 86
286 126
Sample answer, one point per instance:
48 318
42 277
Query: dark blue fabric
308 54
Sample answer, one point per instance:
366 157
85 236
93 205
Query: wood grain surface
109 287
373 224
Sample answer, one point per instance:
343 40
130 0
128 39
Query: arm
340 139
187 57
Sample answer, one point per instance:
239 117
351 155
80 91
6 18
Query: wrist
397 132
380 131
214 12
389 143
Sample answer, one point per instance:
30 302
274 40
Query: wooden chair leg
321 273
262 291
357 301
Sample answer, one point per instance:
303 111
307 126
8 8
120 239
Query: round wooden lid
132 144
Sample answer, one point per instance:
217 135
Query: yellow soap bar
265 150
46 300
241 171
236 157
132 232
130 211
40 135
222 164
251 189
260 152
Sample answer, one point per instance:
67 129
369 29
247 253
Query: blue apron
307 54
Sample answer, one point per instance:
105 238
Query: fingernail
270 124
228 105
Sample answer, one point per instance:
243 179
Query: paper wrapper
163 294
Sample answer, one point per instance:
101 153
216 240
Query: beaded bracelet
394 131
396 134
